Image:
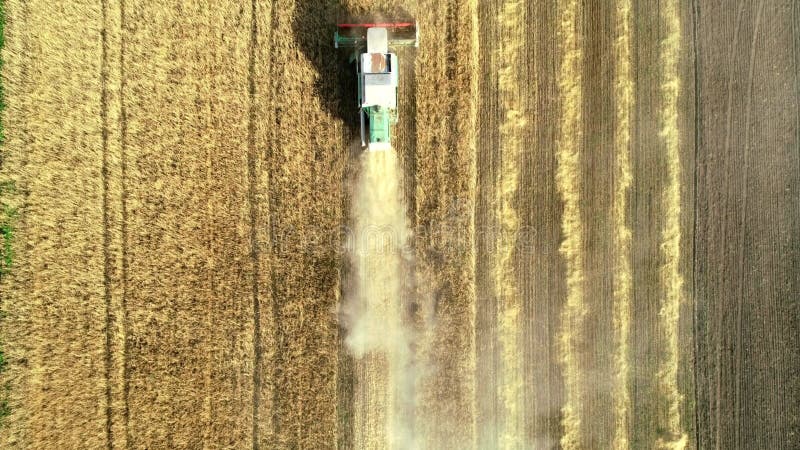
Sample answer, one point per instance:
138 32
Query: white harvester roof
379 69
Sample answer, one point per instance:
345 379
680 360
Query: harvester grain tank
377 70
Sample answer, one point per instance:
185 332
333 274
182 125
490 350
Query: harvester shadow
314 26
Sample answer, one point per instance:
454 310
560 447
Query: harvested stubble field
604 199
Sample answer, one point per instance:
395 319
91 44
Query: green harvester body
380 123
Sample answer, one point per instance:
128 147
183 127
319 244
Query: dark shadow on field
314 25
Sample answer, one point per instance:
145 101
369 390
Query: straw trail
568 184
671 278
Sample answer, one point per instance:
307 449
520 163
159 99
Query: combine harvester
377 71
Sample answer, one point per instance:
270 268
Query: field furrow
622 292
487 352
511 378
115 224
540 268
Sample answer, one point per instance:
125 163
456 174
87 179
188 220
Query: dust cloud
374 311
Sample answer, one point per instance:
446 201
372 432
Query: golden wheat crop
56 323
185 177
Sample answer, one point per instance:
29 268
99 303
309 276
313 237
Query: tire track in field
265 348
671 278
510 388
123 133
695 311
623 93
269 62
487 167
106 237
252 202
474 139
115 223
568 185
279 55
114 246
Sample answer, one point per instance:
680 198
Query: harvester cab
377 70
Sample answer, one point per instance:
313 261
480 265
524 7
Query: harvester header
354 35
377 70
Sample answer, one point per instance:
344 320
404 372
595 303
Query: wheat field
598 205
